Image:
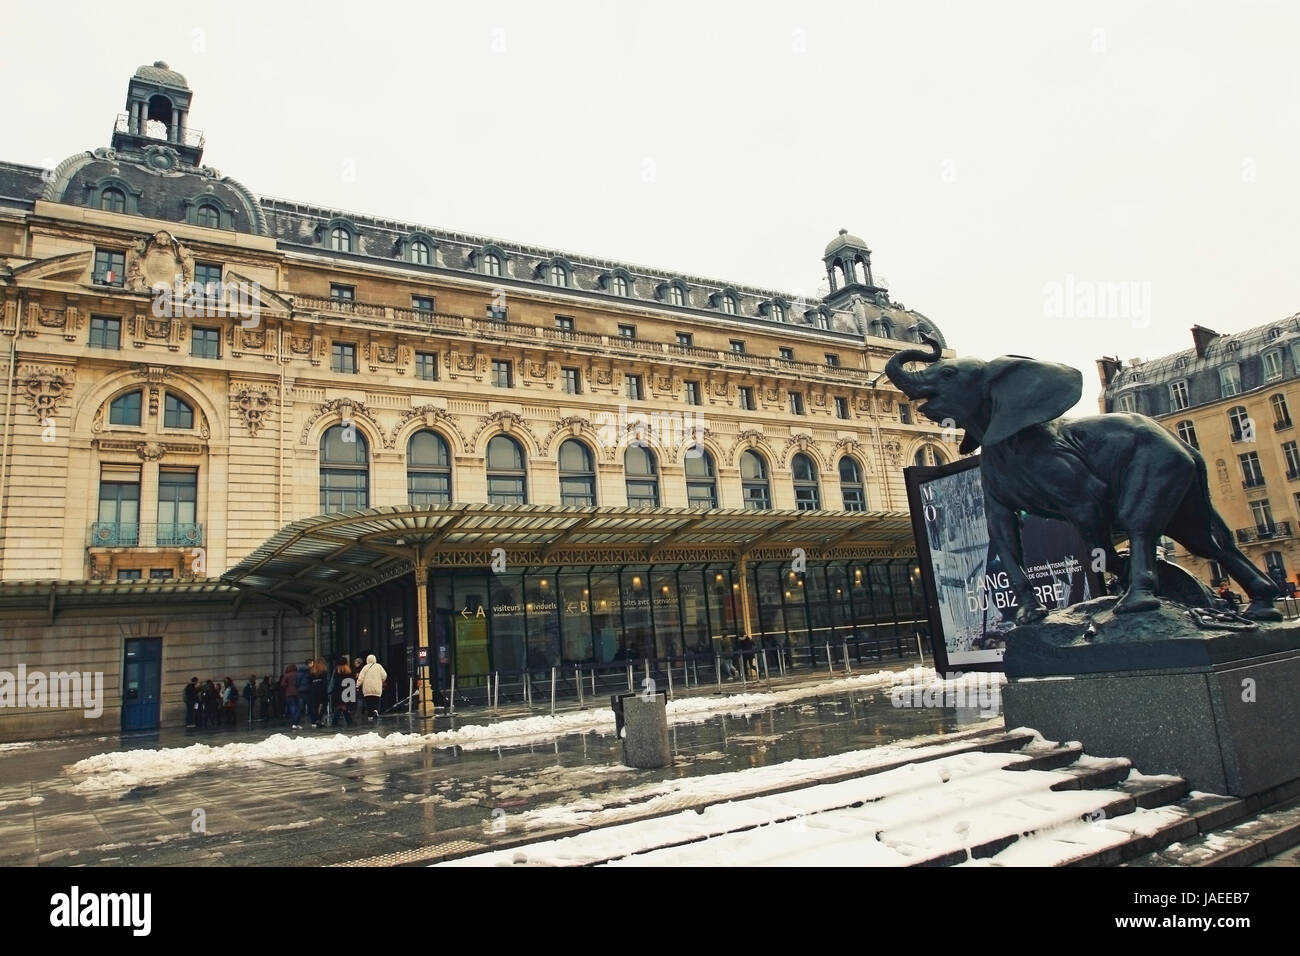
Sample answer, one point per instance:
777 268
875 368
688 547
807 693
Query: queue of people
314 692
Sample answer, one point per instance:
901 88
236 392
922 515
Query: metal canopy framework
317 561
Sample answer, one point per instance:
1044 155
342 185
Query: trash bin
641 721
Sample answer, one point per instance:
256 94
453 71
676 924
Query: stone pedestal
645 737
1218 708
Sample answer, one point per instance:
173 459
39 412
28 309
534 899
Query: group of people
312 691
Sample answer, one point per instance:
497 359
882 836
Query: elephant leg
1004 535
1141 592
1198 528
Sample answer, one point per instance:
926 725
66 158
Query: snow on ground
898 817
122 770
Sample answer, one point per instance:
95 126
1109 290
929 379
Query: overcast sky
990 153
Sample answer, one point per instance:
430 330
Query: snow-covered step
1250 841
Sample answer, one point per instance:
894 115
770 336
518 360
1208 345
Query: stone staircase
990 799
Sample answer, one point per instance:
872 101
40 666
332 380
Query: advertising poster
969 597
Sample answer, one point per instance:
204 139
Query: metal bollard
577 680
780 660
717 671
830 664
451 698
552 691
629 676
847 668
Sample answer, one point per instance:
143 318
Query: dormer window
728 303
1274 333
675 294
340 239
421 255
491 264
208 216
778 312
112 200
618 286
559 276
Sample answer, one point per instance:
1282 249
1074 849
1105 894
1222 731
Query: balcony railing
1279 529
116 534
1255 482
123 124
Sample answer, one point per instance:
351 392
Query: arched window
855 497
420 254
177 413
125 409
754 488
928 456
618 286
701 478
491 264
642 476
112 199
1242 428
340 239
676 296
344 469
807 496
507 475
1187 432
577 474
209 215
428 470
778 312
559 276
729 304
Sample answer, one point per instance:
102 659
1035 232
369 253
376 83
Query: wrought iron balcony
1279 529
115 534
154 129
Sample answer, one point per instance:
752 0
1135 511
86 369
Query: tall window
205 343
618 285
502 373
1230 380
422 303
642 474
746 394
340 239
207 276
428 470
125 409
177 413
119 507
344 469
1252 475
1292 455
178 495
343 294
904 413
692 393
571 381
426 366
1187 432
491 264
506 473
778 312
633 388
208 215
729 304
928 456
807 495
420 253
855 498
796 403
1272 365
1178 395
1240 425
559 276
577 474
1281 412
343 357
1275 565
1263 515
1125 403
105 332
841 408
110 267
832 360
112 200
676 296
701 478
754 487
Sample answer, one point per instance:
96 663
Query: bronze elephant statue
1118 472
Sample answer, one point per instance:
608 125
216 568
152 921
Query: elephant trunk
910 383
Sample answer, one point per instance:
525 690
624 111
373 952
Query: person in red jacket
289 684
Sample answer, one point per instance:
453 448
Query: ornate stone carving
152 374
432 417
387 354
509 422
604 376
157 328
151 450
157 260
300 344
803 443
49 318
348 410
749 438
45 389
252 405
571 427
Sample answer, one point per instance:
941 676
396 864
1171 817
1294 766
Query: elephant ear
1025 391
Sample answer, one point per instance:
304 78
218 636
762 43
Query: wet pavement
339 808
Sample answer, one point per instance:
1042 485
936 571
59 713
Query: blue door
141 683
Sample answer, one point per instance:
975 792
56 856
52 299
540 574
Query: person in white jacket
371 682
